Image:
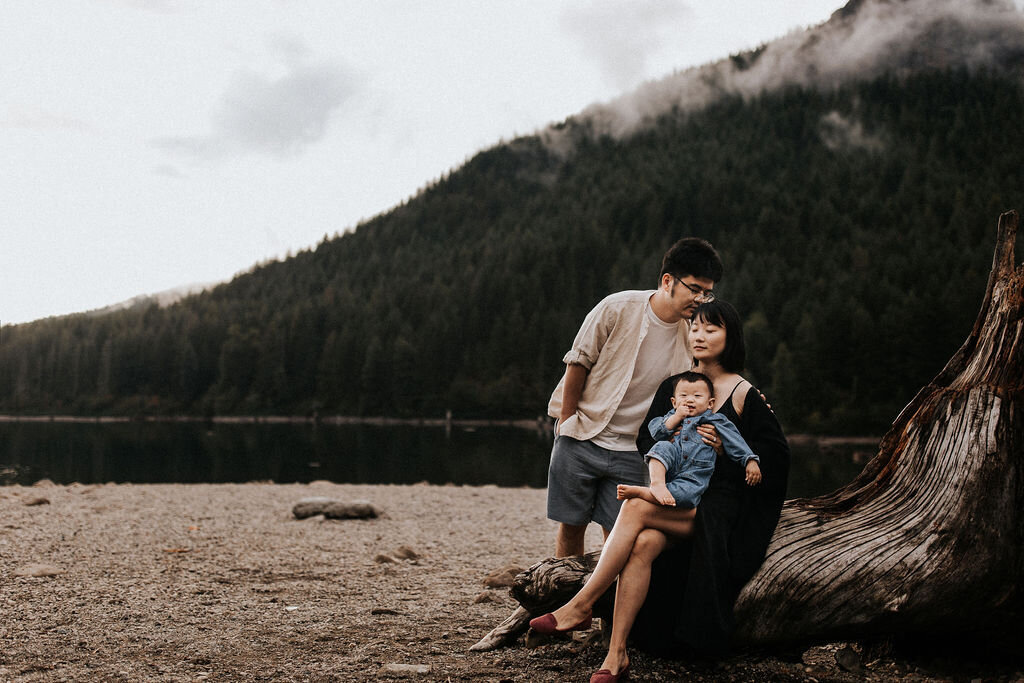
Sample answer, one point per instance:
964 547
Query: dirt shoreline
180 582
541 424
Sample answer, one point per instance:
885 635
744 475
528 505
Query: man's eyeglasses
703 295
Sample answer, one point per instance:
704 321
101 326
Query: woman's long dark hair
722 313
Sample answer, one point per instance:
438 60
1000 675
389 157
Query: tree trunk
927 540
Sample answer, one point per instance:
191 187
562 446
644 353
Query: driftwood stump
927 540
543 587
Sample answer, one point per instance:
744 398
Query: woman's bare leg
630 594
635 516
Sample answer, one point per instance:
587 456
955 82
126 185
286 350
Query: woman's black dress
695 583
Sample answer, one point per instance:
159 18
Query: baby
688 462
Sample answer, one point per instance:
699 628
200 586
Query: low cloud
168 171
158 6
276 116
620 35
38 119
840 133
860 41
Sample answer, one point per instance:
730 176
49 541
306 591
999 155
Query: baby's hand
661 494
753 473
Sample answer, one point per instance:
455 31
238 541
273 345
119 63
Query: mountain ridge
842 215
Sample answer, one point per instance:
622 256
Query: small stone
38 500
310 507
404 552
38 570
383 610
848 659
358 509
381 558
502 578
406 668
485 597
535 640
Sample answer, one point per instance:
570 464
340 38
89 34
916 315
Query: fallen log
927 540
543 587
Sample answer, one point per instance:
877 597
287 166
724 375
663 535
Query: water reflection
363 454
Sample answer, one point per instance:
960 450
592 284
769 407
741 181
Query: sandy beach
186 582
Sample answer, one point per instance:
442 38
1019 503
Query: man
628 345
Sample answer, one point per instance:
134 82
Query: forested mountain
856 222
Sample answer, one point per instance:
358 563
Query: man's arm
572 390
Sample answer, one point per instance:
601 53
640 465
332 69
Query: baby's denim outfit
689 462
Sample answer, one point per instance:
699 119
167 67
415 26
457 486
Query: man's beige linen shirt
607 345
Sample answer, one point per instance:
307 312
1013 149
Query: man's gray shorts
582 478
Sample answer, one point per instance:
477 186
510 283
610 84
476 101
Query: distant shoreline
538 424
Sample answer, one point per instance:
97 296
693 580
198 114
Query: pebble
358 509
485 597
502 578
404 552
848 659
310 507
406 668
39 500
381 558
38 570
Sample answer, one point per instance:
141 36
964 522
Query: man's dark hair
691 376
692 256
722 314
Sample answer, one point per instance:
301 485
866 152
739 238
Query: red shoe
547 625
606 675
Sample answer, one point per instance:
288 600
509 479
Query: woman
685 599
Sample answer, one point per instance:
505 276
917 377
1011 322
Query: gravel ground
219 582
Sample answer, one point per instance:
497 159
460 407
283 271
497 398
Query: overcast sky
150 144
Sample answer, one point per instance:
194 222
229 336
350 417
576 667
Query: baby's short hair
691 376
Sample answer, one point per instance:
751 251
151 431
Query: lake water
156 452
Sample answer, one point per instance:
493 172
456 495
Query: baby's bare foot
624 491
661 494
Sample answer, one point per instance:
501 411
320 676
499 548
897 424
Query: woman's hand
709 435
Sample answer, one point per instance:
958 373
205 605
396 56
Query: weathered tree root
928 539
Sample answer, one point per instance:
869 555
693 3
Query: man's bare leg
569 540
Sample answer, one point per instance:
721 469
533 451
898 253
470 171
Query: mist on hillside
863 39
